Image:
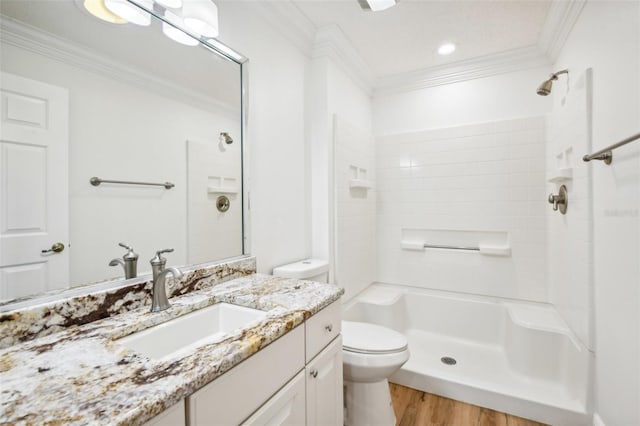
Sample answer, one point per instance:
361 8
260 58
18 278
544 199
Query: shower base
510 356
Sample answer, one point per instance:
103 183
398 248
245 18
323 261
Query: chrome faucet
159 301
129 262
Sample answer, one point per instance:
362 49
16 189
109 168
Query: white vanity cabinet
294 381
172 416
235 395
313 397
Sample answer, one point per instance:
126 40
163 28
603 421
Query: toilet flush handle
329 328
314 373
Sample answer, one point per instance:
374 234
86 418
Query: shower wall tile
481 177
570 236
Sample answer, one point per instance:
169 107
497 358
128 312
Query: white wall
278 72
500 97
335 94
348 99
355 217
606 38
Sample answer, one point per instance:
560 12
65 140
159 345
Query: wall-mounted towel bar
605 154
95 181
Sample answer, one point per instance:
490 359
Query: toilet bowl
370 354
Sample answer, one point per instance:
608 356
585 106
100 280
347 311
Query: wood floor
417 408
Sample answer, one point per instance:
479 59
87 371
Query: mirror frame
227 53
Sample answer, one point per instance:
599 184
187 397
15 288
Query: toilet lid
363 337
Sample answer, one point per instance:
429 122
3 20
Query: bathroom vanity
285 366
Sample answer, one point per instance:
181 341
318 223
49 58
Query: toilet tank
308 269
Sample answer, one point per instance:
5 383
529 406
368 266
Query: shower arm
554 76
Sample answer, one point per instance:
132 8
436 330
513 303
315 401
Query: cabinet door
325 406
286 408
172 416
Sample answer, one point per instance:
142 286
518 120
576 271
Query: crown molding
327 42
34 40
560 20
456 72
290 22
330 42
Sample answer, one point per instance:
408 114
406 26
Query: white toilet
370 354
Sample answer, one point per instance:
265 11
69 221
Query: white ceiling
406 37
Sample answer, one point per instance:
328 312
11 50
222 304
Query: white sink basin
207 325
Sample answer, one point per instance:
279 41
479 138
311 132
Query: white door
34 193
325 406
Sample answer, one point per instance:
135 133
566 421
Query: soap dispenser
129 262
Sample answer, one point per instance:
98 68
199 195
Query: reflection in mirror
83 99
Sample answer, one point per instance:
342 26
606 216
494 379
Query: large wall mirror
83 98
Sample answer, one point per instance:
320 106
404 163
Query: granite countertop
81 375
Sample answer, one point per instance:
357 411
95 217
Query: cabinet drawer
322 328
232 397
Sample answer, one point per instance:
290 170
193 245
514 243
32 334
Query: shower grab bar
95 181
451 247
605 154
484 249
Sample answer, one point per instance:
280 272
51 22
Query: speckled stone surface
82 376
42 319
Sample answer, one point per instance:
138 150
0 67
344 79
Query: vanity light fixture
174 33
376 5
446 49
198 18
201 17
173 4
131 12
97 9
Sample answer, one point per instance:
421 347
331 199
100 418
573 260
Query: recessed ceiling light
446 49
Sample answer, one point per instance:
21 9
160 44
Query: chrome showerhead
545 88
